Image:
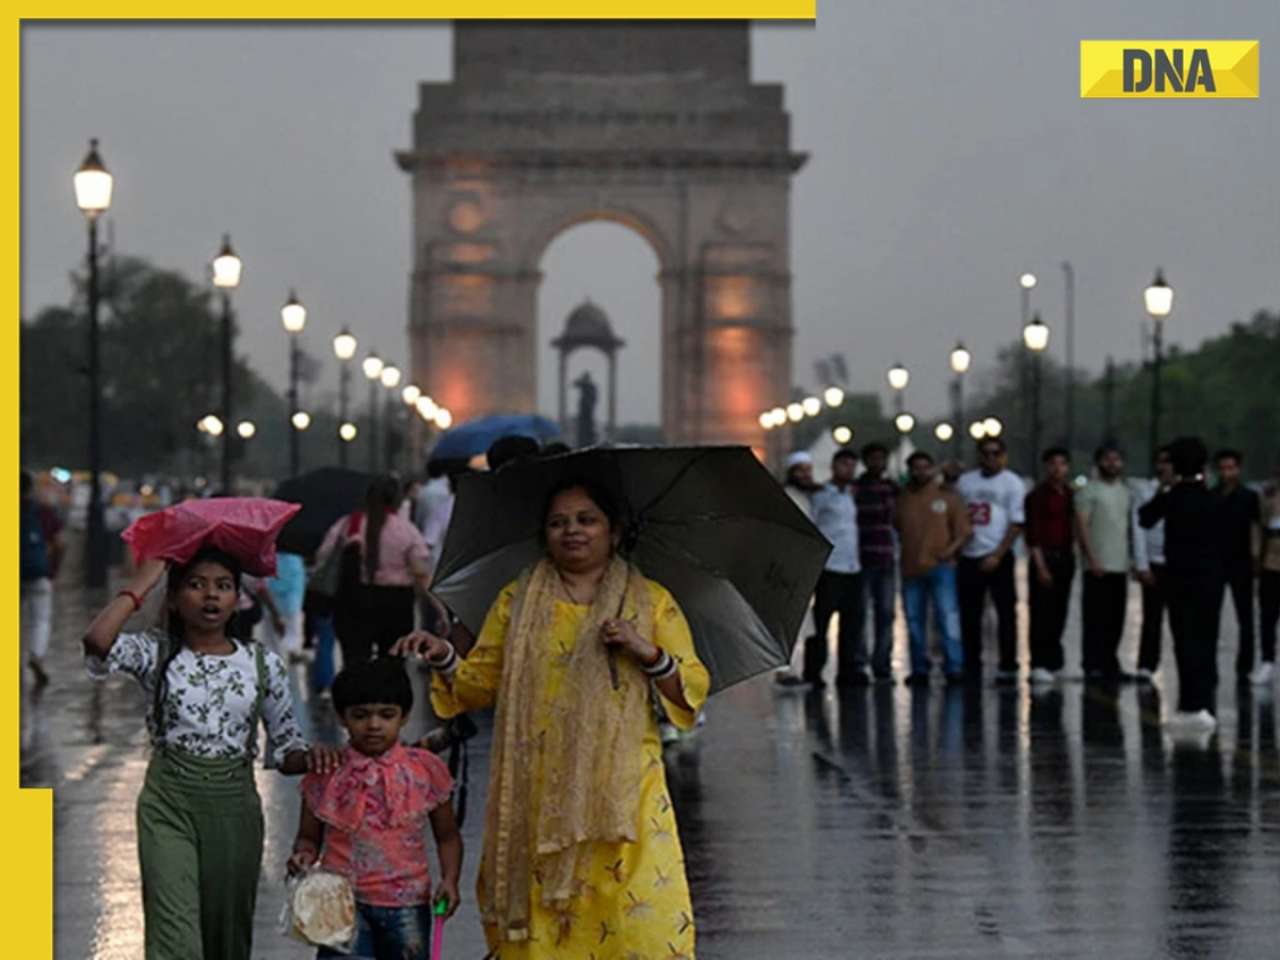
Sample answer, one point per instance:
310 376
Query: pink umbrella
244 527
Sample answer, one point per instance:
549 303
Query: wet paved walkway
886 822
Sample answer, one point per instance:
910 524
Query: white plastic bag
319 909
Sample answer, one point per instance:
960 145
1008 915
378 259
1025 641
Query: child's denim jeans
389 933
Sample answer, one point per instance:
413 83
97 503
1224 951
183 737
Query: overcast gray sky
949 152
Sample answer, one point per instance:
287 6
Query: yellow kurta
636 904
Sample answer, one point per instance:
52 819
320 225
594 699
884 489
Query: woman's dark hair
596 492
373 681
382 498
173 623
512 448
1188 455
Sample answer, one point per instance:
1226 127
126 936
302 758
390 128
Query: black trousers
1049 606
1194 604
1103 605
1240 585
972 586
836 593
1155 600
1269 612
369 617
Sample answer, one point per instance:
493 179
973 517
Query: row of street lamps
93 191
1158 299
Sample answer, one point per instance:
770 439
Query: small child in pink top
367 820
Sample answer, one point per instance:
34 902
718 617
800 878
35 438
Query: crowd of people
580 845
583 842
947 538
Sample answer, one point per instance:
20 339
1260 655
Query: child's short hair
374 681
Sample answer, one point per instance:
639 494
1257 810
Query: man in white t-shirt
839 589
994 496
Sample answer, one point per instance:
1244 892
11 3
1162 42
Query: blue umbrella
476 436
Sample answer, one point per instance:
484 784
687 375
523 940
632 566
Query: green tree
1225 391
161 372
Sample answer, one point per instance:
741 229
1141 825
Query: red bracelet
137 600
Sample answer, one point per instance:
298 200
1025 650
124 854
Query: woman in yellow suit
581 855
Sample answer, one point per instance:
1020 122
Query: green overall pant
200 848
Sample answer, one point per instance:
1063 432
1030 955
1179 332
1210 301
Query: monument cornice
475 161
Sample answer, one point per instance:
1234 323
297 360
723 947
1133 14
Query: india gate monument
653 126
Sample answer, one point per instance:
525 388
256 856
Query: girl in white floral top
199 816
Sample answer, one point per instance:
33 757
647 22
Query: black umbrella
325 494
708 523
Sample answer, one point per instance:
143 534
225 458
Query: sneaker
917 680
1143 675
1041 675
1193 721
785 678
1263 674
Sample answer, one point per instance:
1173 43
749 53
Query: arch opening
612 263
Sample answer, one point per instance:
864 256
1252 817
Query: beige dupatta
594 736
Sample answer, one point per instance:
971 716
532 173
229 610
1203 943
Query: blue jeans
938 586
322 668
879 583
389 933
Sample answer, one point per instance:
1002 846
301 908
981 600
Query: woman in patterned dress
199 815
581 854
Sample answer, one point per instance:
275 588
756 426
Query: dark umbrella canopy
325 494
708 523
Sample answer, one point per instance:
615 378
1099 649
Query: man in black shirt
1193 565
1241 534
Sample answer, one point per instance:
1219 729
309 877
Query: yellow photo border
26 816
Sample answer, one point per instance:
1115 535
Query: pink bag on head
244 527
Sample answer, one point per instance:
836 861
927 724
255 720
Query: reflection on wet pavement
879 822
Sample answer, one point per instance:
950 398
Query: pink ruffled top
375 814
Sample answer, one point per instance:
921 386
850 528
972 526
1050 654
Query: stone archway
655 126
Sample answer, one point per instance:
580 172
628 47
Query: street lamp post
294 317
898 377
344 348
1159 303
1069 305
372 368
1036 337
390 377
93 196
960 362
226 277
1026 283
